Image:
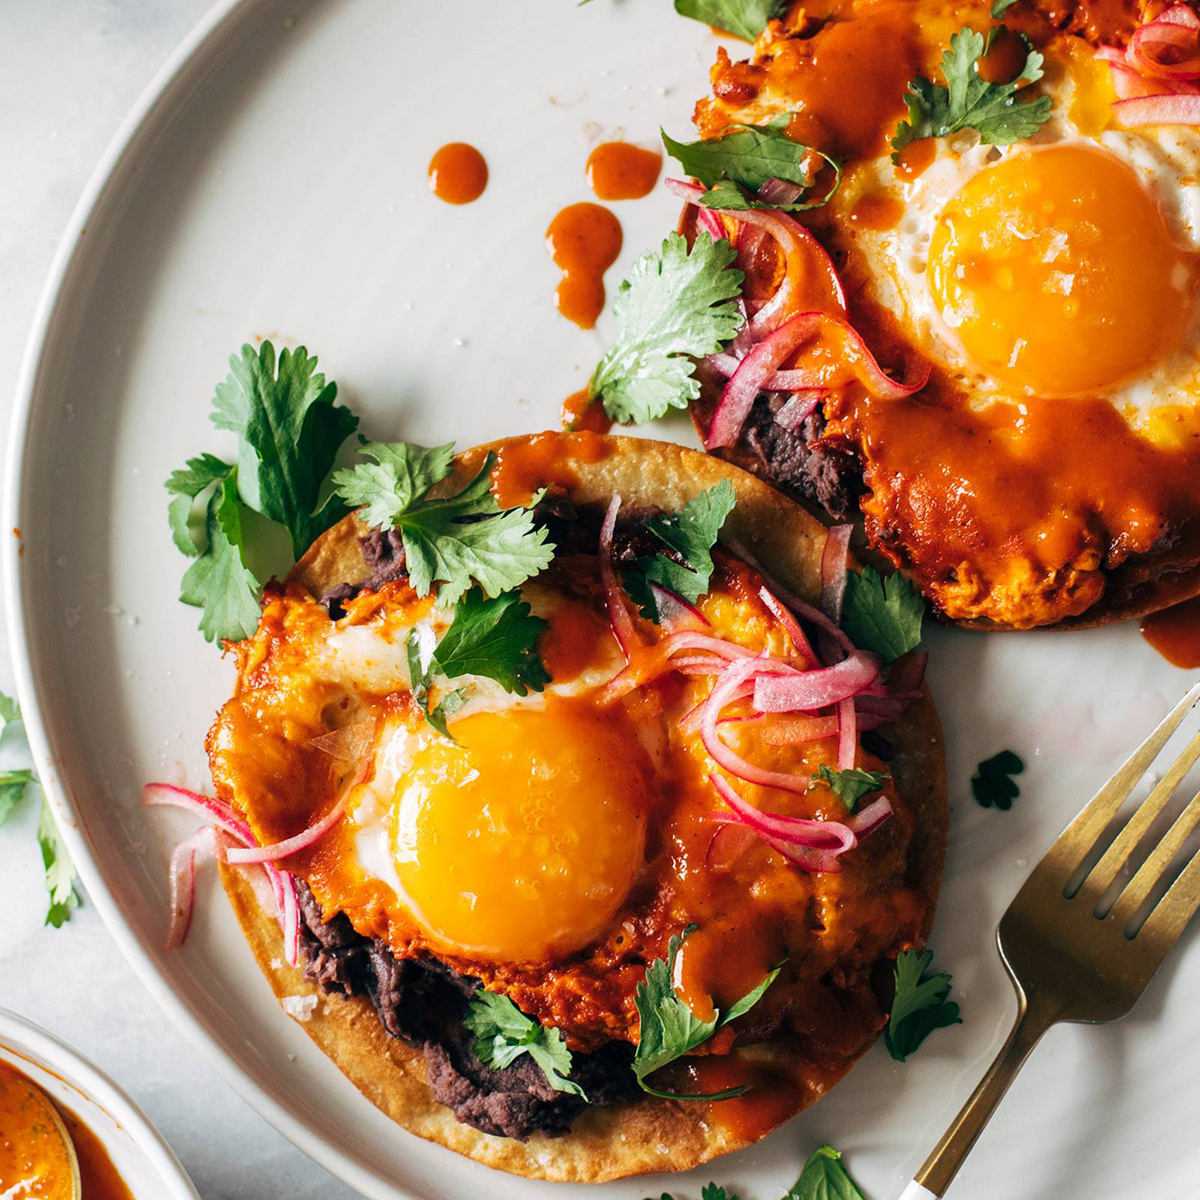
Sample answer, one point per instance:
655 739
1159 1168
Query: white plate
141 1158
273 183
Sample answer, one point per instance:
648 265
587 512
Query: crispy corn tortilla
650 1134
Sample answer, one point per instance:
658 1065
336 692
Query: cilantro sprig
883 614
920 1006
455 541
851 785
747 156
691 533
992 784
676 305
824 1177
503 1033
969 102
743 18
15 785
670 1029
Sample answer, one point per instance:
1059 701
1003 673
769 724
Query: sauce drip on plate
542 461
1175 633
619 171
458 173
584 240
580 412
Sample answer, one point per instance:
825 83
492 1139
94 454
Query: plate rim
169 87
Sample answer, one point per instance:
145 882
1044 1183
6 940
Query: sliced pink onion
869 819
781 381
292 845
691 192
183 882
1179 41
779 191
215 811
618 614
675 613
798 408
807 691
790 624
833 571
727 847
1158 110
847 747
291 921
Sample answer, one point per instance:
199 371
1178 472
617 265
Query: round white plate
273 183
141 1158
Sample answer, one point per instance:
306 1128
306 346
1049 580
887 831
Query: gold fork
1070 961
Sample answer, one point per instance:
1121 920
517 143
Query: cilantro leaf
400 476
991 783
970 102
676 305
60 871
10 712
290 431
743 18
713 1191
458 540
852 785
824 1178
670 1029
920 1005
218 581
882 614
503 1033
1000 7
691 533
12 789
446 707
186 486
496 638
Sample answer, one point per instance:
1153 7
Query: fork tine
1080 836
1105 871
1149 873
1172 913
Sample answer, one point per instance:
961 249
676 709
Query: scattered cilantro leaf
1000 7
676 305
882 614
218 581
743 18
920 1005
852 785
400 476
186 486
454 541
824 1178
991 783
446 707
746 157
503 1033
10 712
970 102
60 871
12 789
714 1191
496 638
691 533
670 1029
290 430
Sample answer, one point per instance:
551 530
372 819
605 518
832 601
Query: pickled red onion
292 845
1159 110
1178 37
790 625
182 872
833 571
618 614
807 691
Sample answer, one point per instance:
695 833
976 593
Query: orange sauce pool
543 460
579 411
584 241
619 171
1175 633
458 173
722 962
96 1171
773 1094
32 1152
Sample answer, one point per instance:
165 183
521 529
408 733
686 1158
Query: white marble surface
69 71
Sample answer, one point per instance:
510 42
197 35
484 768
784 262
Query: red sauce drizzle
579 411
1175 633
774 1093
458 173
544 460
619 171
584 240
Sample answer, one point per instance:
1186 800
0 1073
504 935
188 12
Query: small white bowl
142 1159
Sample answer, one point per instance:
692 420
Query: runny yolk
1058 272
520 841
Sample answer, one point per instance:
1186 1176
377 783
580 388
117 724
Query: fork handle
942 1165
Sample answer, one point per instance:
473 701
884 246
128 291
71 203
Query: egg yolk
521 841
1056 269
